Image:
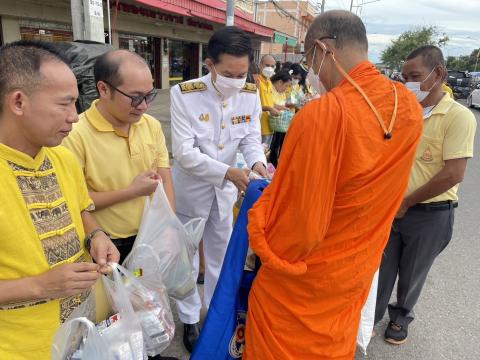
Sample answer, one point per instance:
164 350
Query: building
170 34
291 20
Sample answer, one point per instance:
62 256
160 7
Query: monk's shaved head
347 28
431 56
267 59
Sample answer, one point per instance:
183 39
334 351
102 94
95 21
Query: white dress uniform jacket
207 131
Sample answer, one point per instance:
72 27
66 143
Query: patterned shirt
40 228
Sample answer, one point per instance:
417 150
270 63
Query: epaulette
192 86
250 87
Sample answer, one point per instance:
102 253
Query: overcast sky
386 19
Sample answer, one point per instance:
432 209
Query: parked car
460 82
474 97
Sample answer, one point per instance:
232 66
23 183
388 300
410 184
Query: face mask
415 87
268 72
227 86
313 78
295 82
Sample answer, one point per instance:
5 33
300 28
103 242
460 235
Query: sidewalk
160 109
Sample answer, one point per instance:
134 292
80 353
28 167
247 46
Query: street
448 312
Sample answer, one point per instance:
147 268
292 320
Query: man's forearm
24 289
167 181
106 199
439 184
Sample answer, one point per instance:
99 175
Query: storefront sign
95 8
175 19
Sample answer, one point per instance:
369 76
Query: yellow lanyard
387 132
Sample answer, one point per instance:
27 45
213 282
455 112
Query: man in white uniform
213 117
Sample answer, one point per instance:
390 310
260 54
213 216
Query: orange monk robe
321 226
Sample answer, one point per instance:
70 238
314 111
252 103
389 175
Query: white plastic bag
174 243
151 305
124 336
78 339
367 319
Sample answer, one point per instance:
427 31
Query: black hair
20 63
281 75
106 69
431 56
229 40
298 69
286 65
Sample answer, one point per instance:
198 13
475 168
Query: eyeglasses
137 100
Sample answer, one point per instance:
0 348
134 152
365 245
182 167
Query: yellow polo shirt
266 98
448 133
111 160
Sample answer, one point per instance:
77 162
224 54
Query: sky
387 19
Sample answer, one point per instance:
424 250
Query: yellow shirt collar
96 119
22 159
443 106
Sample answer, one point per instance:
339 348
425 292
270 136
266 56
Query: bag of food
173 243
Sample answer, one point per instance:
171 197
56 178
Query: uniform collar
19 158
98 121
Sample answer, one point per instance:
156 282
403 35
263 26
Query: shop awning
212 10
283 39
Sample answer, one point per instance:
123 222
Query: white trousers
215 241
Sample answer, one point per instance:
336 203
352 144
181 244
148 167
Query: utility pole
87 20
322 8
230 12
351 5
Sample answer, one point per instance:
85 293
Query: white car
474 97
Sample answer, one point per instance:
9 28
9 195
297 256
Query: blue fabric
223 333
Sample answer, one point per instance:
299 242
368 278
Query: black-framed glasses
327 37
138 99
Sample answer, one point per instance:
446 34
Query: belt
436 206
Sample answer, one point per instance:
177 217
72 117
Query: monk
321 226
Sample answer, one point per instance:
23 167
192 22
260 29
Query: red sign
175 19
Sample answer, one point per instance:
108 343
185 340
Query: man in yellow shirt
424 223
121 149
45 269
267 66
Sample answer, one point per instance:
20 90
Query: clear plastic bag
174 244
78 339
123 336
367 319
151 305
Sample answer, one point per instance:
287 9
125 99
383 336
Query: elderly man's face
268 62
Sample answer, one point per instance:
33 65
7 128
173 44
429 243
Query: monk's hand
239 178
103 251
403 209
260 169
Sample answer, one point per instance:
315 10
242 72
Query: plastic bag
367 319
174 244
78 339
123 333
151 305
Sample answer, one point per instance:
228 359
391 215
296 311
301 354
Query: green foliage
394 56
465 62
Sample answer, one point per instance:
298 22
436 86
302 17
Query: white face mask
313 78
295 82
415 87
228 86
268 72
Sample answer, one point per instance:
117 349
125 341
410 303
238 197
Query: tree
465 62
397 52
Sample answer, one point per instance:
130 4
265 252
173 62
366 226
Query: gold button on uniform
224 126
224 104
221 146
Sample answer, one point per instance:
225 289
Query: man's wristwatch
89 237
